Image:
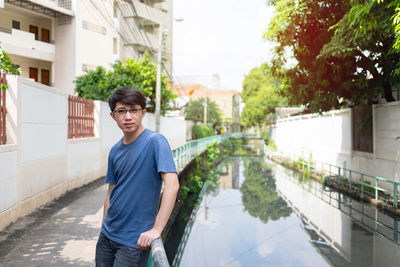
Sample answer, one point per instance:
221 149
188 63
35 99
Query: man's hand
146 238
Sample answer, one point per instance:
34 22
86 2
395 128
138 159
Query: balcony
148 42
23 44
53 8
147 15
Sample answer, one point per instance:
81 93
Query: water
261 214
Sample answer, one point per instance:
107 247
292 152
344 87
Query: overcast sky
220 36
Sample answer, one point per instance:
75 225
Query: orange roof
199 90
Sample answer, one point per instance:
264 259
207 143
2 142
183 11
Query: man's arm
171 187
106 203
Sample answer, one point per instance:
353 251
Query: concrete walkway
62 233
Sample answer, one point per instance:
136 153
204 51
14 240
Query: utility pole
205 108
158 82
161 33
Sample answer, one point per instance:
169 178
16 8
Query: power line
106 18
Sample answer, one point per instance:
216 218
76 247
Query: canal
262 214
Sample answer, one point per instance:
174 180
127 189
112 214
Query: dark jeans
113 254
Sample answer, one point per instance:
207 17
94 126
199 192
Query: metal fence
382 225
3 111
374 186
80 117
186 152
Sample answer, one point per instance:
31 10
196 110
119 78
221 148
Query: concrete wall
327 220
320 209
328 138
39 163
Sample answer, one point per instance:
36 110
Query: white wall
326 219
328 138
39 163
171 128
325 137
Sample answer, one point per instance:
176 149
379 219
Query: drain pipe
158 254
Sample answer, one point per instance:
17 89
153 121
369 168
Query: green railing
186 152
375 186
384 226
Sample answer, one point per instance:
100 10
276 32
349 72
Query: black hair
127 95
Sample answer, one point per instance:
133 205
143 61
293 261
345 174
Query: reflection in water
256 213
259 195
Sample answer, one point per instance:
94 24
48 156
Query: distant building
53 42
212 81
225 99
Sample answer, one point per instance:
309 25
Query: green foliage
237 144
194 185
366 37
300 28
213 152
7 66
200 130
195 111
259 195
212 179
195 180
226 147
342 51
260 95
140 73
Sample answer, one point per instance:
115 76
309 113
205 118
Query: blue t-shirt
135 170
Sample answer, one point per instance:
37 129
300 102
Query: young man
137 166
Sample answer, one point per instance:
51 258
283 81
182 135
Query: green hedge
201 130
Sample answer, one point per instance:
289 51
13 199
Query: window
45 35
16 25
140 54
46 77
33 73
35 31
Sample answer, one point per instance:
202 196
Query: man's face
128 118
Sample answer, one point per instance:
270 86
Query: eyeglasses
122 112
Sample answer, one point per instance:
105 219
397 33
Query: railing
186 152
3 111
158 255
80 117
378 224
371 185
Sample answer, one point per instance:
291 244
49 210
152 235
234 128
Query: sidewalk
62 233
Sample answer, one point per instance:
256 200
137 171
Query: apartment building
53 41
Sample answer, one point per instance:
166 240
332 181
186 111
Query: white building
53 41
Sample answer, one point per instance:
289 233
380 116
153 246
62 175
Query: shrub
201 130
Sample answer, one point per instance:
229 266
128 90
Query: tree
366 35
259 196
342 54
260 95
6 66
195 111
300 28
140 73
